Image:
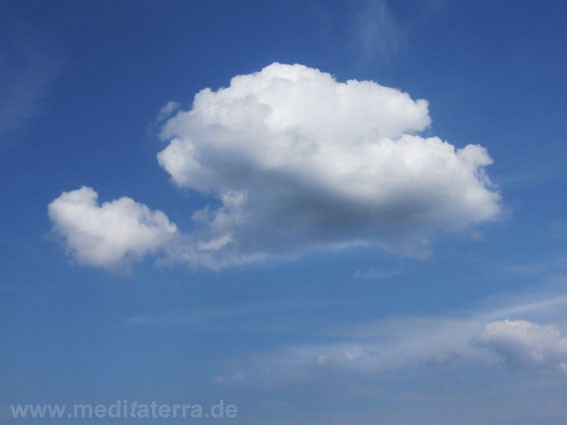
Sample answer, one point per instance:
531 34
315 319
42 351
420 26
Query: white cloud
299 161
109 234
522 343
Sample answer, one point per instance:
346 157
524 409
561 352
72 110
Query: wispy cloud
377 32
28 68
372 274
223 379
166 111
394 343
273 317
378 35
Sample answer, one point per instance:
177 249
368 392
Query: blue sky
311 263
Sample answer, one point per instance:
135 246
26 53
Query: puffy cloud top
300 161
526 344
109 234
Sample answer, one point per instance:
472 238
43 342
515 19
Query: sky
323 212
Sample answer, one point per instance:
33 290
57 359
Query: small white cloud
109 234
323 360
521 343
302 162
353 353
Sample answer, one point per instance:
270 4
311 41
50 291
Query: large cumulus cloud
291 161
297 161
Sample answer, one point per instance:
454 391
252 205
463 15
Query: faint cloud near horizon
528 333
